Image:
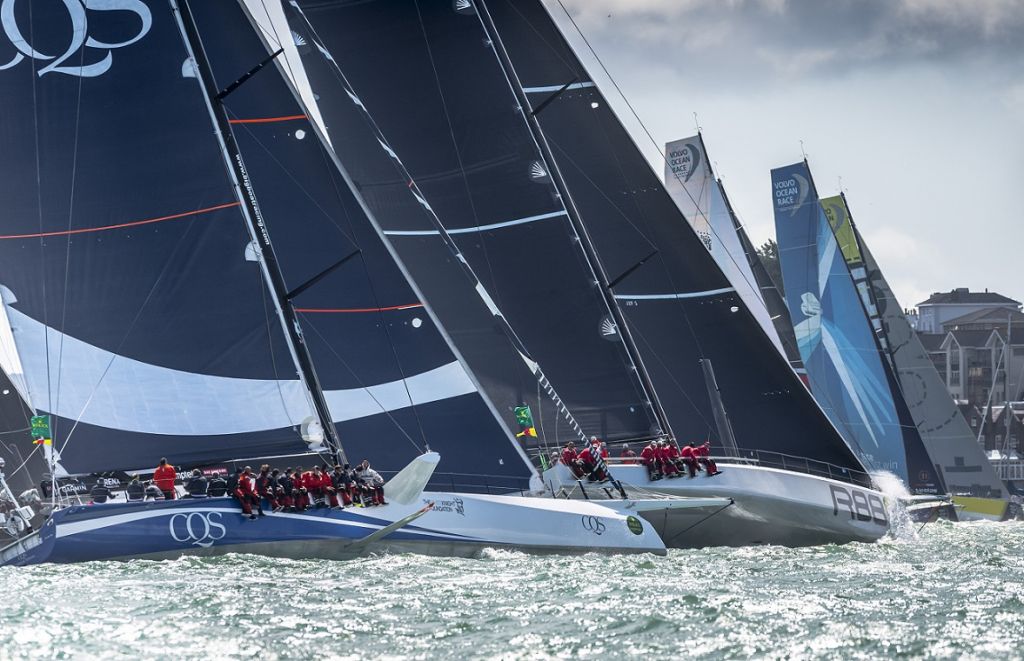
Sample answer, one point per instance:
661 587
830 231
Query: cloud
753 38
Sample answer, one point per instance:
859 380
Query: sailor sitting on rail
197 486
99 492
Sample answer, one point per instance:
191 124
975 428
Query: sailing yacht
515 168
964 470
154 316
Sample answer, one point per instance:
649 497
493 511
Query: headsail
140 325
835 339
947 437
770 293
693 187
921 473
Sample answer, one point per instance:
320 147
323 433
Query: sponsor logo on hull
860 505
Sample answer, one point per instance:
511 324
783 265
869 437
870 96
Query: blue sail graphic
834 337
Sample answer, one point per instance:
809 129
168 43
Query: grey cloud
772 38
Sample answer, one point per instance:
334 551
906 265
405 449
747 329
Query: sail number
860 505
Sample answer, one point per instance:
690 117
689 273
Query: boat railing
768 459
1009 469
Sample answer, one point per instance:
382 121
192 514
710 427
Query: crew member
571 459
265 489
299 490
99 492
287 485
164 477
135 490
703 455
688 457
218 486
197 486
373 482
246 495
341 483
593 461
627 455
314 482
671 458
649 458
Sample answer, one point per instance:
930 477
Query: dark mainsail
773 300
393 385
679 306
451 131
140 325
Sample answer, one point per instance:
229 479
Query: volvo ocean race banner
691 183
835 340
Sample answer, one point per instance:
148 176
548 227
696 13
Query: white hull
769 506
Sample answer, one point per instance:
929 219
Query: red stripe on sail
134 223
267 120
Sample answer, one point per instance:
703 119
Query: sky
916 106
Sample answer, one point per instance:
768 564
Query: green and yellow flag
41 430
525 419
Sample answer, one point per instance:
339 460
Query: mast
589 251
254 221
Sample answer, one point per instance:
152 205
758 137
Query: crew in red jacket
313 481
265 487
689 458
649 458
571 459
246 494
668 466
703 454
627 455
671 459
299 490
164 477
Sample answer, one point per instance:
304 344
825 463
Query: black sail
773 300
678 304
393 384
429 80
142 328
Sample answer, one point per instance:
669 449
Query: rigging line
134 223
643 126
268 314
39 203
138 315
35 448
458 154
510 334
390 414
67 247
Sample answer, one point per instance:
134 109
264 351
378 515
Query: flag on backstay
41 430
525 419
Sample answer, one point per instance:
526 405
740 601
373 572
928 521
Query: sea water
953 591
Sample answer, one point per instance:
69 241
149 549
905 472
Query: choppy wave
957 591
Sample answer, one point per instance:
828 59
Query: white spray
901 527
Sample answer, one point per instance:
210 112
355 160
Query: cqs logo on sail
79 12
196 527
